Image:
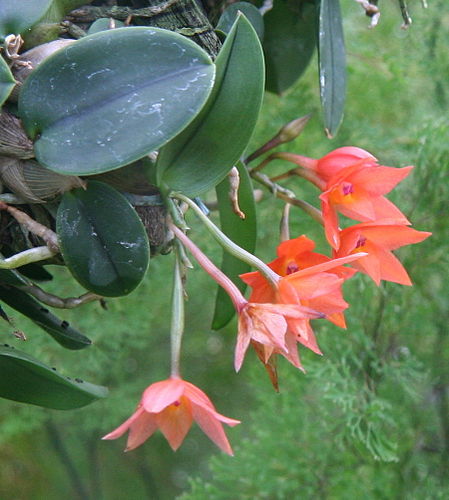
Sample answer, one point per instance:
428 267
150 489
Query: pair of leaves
25 379
134 89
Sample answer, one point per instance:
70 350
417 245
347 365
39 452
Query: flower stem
229 245
177 316
216 274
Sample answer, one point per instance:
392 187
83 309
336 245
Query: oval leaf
102 240
241 231
25 379
201 156
7 81
332 65
113 97
289 43
60 330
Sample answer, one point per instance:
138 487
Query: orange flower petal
175 422
160 395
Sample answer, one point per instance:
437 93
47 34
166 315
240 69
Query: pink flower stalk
171 406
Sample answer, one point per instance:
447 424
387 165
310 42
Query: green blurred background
369 419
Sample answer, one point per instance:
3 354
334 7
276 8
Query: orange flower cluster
354 185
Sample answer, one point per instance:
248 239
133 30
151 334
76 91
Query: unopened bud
292 129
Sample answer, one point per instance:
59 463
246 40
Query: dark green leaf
289 43
112 97
251 12
7 81
332 64
241 231
201 156
35 272
102 240
60 330
17 16
103 24
25 379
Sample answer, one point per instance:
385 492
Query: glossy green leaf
289 43
250 11
17 16
7 81
104 24
112 97
25 379
201 156
332 65
241 231
102 240
60 330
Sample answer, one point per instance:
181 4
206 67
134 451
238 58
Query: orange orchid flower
377 239
265 326
317 287
357 192
330 164
294 255
171 406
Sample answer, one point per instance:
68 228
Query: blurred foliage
369 419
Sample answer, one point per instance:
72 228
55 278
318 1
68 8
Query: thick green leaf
289 43
251 12
201 156
60 330
102 239
241 231
112 97
7 81
17 16
332 64
104 24
25 379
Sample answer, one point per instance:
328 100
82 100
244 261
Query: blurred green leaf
102 240
131 90
60 330
16 17
25 379
201 156
241 231
103 24
289 43
250 11
7 81
332 65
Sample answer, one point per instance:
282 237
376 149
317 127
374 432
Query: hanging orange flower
171 406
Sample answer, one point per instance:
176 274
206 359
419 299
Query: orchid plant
156 117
